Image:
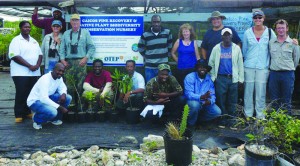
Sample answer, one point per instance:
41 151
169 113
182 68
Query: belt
225 75
73 58
281 70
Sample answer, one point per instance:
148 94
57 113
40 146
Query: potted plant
80 114
178 141
105 102
132 113
90 113
117 80
257 150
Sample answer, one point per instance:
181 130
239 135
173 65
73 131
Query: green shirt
153 86
86 47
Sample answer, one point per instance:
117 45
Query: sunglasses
259 17
56 26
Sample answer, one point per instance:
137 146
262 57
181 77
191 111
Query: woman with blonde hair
187 49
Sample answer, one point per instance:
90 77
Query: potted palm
90 113
178 141
72 114
117 80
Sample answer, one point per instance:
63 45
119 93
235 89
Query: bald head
58 71
59 65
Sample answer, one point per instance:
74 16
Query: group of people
208 82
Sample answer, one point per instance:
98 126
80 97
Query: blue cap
56 22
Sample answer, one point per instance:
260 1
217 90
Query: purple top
186 56
46 23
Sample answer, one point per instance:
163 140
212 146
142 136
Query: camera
52 53
74 49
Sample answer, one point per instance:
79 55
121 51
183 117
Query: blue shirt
225 66
194 88
256 53
186 56
212 38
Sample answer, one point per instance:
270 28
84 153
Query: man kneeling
199 91
48 98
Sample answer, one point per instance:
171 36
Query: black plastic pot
113 116
296 159
179 152
90 116
260 160
101 116
70 117
81 117
132 115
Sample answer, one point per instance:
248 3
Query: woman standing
50 46
256 63
26 58
188 53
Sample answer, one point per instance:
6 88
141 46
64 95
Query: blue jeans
45 113
281 86
50 66
227 94
255 84
207 113
150 73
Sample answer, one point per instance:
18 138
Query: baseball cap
257 12
56 22
75 17
226 30
164 67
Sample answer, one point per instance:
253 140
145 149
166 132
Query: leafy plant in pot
132 113
105 102
117 80
257 150
178 141
71 115
90 113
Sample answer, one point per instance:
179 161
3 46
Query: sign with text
116 37
239 21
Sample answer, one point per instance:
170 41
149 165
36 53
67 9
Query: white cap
226 30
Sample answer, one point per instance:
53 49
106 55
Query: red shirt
98 81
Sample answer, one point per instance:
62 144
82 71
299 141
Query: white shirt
45 87
29 51
138 81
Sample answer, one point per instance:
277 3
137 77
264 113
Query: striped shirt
155 48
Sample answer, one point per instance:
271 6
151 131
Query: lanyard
77 37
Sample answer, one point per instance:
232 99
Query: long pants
135 99
255 84
23 85
227 94
281 86
206 113
45 113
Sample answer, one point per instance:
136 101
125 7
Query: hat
75 17
226 30
216 14
56 22
202 63
164 67
257 12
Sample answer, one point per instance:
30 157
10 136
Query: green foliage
89 96
117 80
134 157
176 131
106 101
71 80
152 145
126 84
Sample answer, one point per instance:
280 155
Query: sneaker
37 126
19 120
57 122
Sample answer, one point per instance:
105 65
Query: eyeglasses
259 17
56 26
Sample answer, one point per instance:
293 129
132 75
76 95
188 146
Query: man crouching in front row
48 98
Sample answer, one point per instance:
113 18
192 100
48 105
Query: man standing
48 98
75 49
98 81
199 91
227 72
213 36
46 23
165 90
137 91
155 45
284 60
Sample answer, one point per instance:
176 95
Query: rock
60 155
154 138
26 156
37 154
128 139
60 149
48 160
236 160
4 160
241 147
196 149
232 151
94 148
119 163
63 162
